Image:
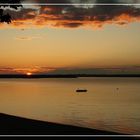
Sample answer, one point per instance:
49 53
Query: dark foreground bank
21 126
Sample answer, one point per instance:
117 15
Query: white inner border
66 4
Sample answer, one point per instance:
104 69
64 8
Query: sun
28 73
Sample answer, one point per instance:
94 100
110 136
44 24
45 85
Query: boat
81 90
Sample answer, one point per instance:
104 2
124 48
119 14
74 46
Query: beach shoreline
13 125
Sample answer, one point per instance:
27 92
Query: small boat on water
81 90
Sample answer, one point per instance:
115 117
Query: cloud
24 70
65 70
27 38
71 16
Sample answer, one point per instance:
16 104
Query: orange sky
69 37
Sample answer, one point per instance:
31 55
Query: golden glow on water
110 103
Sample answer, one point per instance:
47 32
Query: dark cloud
71 25
22 14
75 16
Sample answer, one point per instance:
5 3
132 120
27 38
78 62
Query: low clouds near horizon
72 16
28 38
65 70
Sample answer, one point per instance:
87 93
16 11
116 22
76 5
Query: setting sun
28 73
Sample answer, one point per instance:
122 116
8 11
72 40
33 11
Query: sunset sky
41 39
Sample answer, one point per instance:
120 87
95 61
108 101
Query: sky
71 38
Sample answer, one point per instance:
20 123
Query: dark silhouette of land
7 17
17 125
65 75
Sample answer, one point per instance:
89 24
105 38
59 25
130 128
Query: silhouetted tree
8 3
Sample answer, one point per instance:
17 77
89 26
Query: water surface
110 103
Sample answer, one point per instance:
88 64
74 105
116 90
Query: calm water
102 107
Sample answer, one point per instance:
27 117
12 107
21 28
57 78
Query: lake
110 103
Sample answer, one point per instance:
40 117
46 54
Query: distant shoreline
66 75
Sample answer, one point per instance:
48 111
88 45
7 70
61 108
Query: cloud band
73 16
